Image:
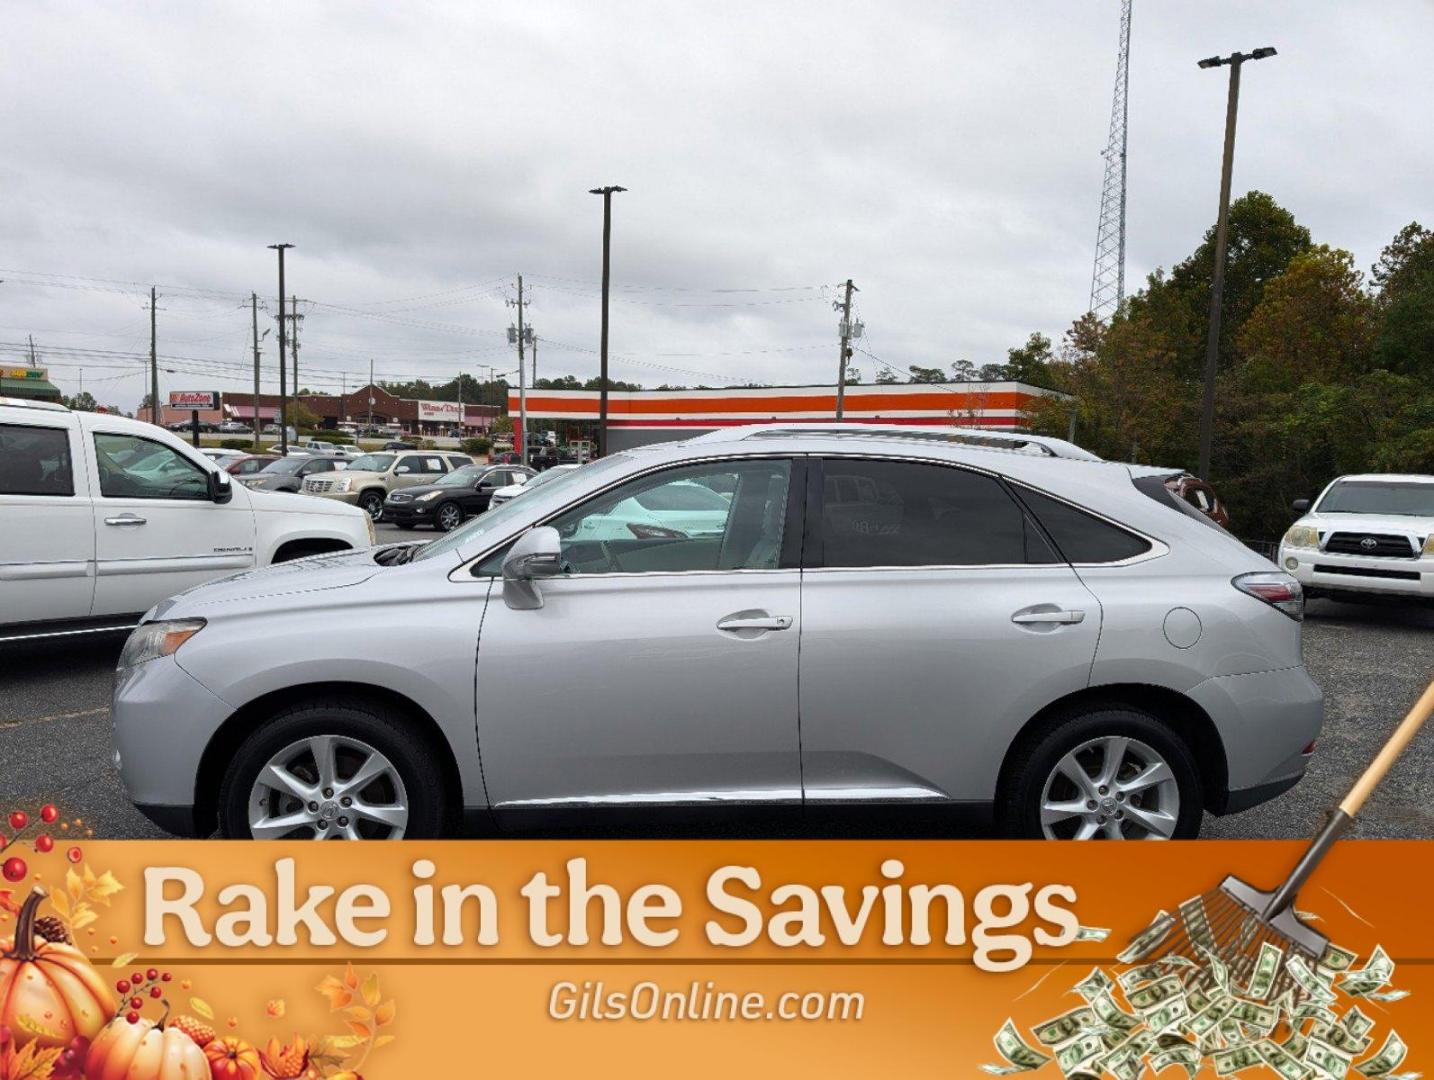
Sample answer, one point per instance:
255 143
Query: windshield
286 466
499 518
463 477
372 463
1404 499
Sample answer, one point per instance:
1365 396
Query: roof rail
31 403
1010 442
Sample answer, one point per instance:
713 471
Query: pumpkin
144 1050
49 993
232 1059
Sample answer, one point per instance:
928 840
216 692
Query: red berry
165 977
122 986
152 974
15 869
137 978
49 814
74 854
19 819
132 1017
136 1003
155 991
44 844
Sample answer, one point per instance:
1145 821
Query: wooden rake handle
1382 763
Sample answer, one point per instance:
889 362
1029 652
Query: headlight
428 496
150 641
344 484
1302 536
1429 544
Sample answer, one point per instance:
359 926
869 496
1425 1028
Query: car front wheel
331 771
448 517
371 502
1107 773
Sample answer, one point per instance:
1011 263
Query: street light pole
1234 61
606 193
283 359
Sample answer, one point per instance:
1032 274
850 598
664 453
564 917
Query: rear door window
35 461
1081 536
904 513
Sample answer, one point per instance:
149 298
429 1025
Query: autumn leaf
384 1014
338 994
276 1008
359 1013
351 979
383 1040
102 889
61 903
371 992
74 885
84 915
363 1031
342 1042
123 959
33 1063
202 1007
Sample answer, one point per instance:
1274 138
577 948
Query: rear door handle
755 622
1027 617
125 519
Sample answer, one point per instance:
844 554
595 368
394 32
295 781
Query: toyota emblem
1369 543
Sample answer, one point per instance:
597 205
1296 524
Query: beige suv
368 479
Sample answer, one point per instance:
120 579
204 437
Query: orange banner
618 958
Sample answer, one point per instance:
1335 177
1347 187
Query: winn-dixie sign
193 399
440 411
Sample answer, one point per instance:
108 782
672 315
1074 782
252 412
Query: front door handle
1067 617
745 621
125 519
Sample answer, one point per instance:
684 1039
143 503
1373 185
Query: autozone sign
193 399
449 411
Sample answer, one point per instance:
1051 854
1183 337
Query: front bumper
407 513
1267 721
350 497
163 720
1320 571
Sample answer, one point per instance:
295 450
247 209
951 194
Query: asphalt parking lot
1371 661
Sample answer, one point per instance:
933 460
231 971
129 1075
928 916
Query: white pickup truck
102 517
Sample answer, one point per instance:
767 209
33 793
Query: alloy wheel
449 517
1113 788
328 787
373 503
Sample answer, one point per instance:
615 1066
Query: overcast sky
943 155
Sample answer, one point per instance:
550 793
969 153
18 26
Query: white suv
103 517
1365 534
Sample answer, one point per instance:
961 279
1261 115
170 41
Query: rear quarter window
1081 536
35 461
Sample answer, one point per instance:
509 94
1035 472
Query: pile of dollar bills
1302 1020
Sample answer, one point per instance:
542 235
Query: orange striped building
644 416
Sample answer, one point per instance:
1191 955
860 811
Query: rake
1232 922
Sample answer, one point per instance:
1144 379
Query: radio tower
1107 280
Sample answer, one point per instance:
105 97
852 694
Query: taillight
1278 590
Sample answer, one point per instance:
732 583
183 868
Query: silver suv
765 616
369 479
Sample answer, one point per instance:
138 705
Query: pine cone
52 929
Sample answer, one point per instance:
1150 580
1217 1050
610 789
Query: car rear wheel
371 502
448 517
1107 773
331 771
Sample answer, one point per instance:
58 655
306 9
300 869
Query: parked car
1199 494
102 517
289 473
399 444
221 456
235 427
521 484
1365 535
449 501
507 457
248 464
367 481
1073 649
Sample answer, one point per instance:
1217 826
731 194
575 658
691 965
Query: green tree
1404 278
1031 362
926 374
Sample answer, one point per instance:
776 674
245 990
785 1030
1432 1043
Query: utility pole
606 193
1217 286
370 392
462 427
32 349
153 362
283 385
846 330
535 361
294 320
254 316
521 334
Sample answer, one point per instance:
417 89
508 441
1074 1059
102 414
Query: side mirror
1300 506
221 489
537 554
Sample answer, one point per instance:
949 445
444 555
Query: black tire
448 517
1035 757
385 730
371 503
